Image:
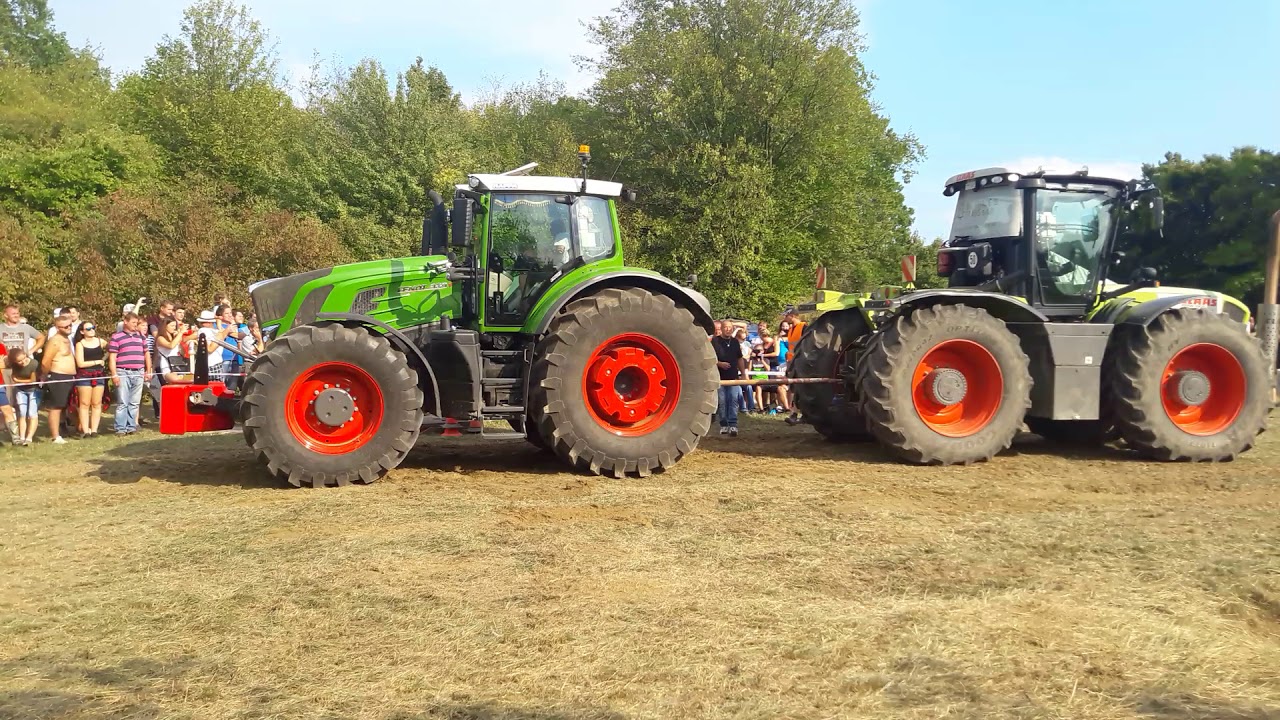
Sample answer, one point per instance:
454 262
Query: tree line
747 128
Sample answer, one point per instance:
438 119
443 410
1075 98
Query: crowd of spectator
751 351
77 368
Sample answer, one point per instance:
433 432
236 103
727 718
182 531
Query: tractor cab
1045 238
520 235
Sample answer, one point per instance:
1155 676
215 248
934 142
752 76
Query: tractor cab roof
484 182
997 175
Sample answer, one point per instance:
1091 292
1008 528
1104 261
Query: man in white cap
130 308
209 333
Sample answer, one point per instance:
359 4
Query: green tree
27 36
748 129
212 99
1216 215
378 150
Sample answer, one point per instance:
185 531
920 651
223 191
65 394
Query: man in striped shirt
130 366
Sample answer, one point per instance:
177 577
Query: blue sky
1105 83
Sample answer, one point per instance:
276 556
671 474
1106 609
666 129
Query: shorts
91 377
57 390
28 401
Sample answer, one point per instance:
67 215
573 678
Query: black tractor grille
271 299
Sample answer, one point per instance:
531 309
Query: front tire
823 352
623 383
1191 386
946 384
367 421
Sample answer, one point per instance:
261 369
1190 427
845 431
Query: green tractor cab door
535 244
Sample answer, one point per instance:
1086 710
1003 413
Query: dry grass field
770 576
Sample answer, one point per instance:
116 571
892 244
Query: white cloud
1119 169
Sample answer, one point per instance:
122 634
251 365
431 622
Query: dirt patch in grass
775 575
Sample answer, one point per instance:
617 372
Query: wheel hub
631 384
1192 387
627 384
948 386
334 407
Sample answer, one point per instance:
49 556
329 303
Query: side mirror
1157 213
693 279
1145 275
628 195
463 220
435 226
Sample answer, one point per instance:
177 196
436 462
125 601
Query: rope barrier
42 383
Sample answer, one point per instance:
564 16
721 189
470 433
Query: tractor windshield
990 212
1072 227
532 238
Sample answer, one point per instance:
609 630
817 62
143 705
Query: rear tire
288 437
823 352
944 353
1194 347
590 399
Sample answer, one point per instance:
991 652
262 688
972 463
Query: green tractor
1032 328
519 309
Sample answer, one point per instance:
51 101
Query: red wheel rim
1226 392
983 388
631 384
320 437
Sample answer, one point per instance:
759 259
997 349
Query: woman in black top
91 377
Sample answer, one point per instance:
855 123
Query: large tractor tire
623 383
824 352
1191 386
945 385
331 405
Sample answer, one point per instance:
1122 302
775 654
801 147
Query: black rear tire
560 404
265 407
825 351
888 389
1139 386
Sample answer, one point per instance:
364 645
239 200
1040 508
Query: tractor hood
401 292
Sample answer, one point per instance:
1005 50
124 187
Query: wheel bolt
326 386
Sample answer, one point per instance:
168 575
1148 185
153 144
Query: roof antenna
522 170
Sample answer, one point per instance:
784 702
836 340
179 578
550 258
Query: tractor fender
1143 313
998 305
688 298
397 339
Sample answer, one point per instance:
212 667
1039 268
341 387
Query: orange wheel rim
333 408
631 384
957 388
1203 389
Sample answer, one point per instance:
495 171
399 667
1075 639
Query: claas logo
1202 301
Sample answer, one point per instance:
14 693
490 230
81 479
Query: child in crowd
25 388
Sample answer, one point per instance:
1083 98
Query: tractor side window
528 243
1071 231
595 228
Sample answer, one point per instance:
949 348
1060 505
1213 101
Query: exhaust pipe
1269 311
